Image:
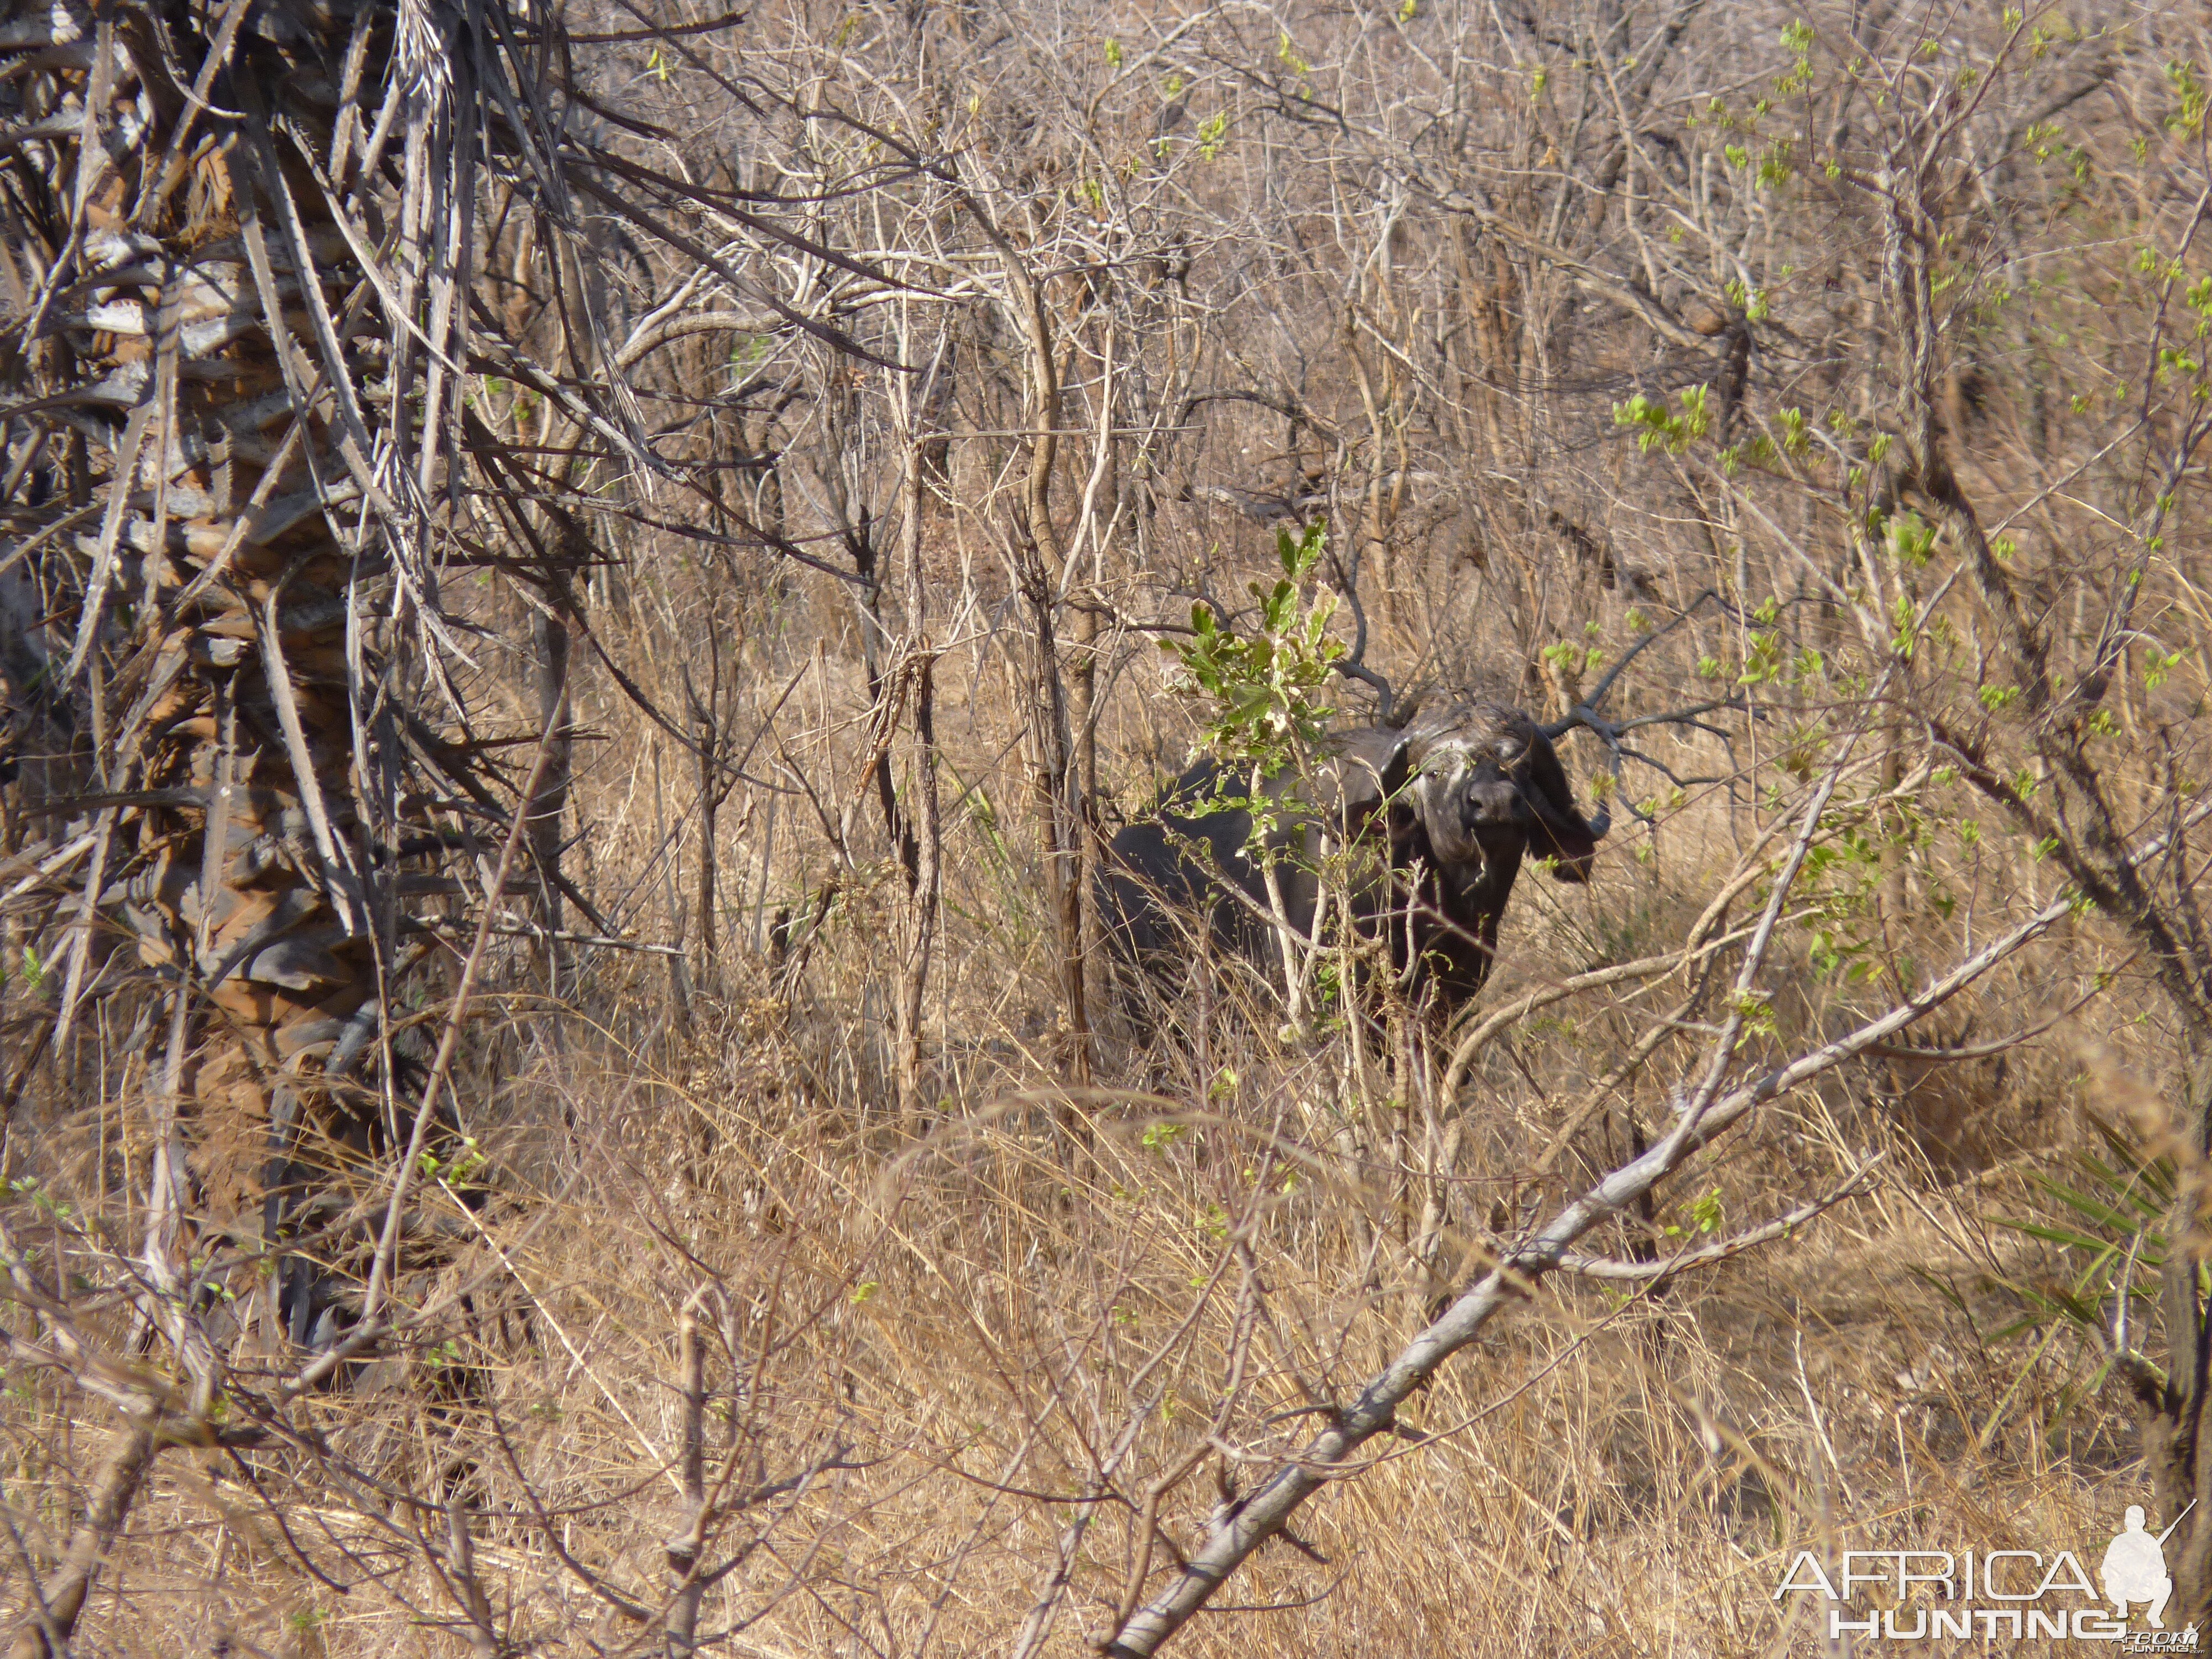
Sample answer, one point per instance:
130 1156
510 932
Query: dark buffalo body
1433 822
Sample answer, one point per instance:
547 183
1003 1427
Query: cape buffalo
1433 821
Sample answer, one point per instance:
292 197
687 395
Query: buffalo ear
1367 769
1561 832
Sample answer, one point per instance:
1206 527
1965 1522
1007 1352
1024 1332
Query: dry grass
938 1347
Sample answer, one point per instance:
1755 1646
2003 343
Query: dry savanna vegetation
586 589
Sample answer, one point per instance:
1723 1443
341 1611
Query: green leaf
2099 1213
2048 1234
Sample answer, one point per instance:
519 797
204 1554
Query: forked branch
1585 713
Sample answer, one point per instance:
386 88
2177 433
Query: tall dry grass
946 1357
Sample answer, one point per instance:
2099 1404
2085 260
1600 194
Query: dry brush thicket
583 592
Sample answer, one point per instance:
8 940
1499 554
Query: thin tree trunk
710 810
923 873
1041 562
679 985
1059 818
926 882
686 1588
550 806
2172 1415
114 1490
1060 785
767 876
1083 719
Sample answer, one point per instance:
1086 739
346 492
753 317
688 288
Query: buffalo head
1475 785
1461 795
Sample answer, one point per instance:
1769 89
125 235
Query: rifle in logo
2134 1567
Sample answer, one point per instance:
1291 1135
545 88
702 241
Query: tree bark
923 879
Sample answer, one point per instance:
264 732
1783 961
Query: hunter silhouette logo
2019 1594
2135 1568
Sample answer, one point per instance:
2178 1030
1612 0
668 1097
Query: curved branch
1595 1267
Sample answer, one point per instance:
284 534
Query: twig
526 930
2000 1045
1599 1266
